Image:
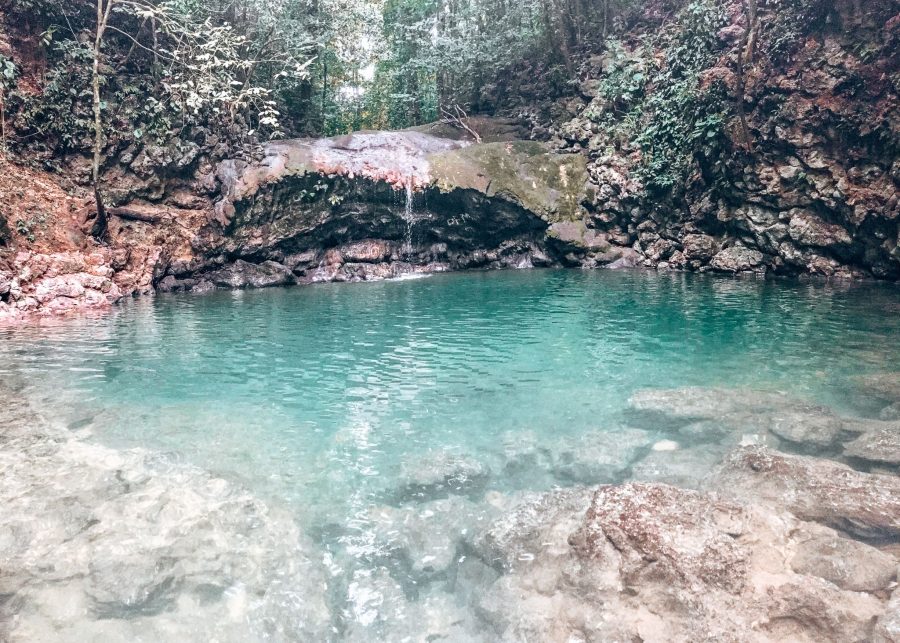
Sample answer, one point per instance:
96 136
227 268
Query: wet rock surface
747 417
654 562
816 489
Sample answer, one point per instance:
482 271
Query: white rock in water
666 445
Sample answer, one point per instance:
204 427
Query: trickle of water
409 216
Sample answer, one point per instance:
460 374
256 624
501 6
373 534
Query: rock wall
376 205
812 188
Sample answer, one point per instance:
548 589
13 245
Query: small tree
210 70
101 223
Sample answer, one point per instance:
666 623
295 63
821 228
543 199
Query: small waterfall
409 216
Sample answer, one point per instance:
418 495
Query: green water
317 398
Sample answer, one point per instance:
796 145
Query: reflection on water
335 400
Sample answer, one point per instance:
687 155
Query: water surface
323 398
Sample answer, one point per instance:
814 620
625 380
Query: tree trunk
744 53
101 223
2 122
752 29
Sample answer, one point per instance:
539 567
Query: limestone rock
809 230
737 259
879 442
243 274
439 474
887 630
657 563
814 489
701 247
849 564
105 545
599 456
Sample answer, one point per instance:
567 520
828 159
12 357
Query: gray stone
737 259
599 456
439 474
849 564
879 442
814 489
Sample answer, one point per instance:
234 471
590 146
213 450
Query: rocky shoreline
741 536
380 205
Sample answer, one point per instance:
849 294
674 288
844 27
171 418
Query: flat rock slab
527 173
653 562
718 413
814 489
885 386
879 442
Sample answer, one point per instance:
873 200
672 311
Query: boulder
243 274
887 629
879 442
814 489
699 247
808 229
737 259
849 564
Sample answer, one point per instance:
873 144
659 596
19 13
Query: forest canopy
286 67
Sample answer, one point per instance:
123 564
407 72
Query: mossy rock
527 173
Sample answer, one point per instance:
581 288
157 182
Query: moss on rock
526 173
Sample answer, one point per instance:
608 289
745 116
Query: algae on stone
524 172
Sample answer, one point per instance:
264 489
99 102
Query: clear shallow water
323 398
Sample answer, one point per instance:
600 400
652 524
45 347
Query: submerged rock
685 468
849 564
814 489
885 386
599 456
428 536
100 544
657 563
879 442
439 474
743 415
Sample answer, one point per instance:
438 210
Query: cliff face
807 183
